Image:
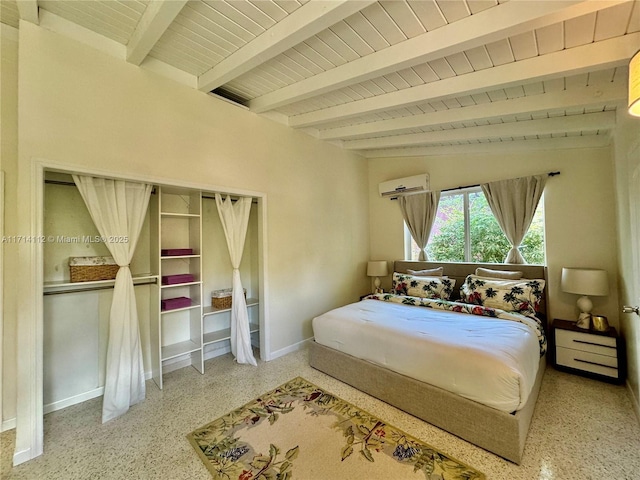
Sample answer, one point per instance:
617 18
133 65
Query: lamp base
585 305
584 321
376 285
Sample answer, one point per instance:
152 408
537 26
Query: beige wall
89 110
627 159
579 210
9 164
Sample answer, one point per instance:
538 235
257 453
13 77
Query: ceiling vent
230 96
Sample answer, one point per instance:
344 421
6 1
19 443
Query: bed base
498 432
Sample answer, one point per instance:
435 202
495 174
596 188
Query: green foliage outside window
488 243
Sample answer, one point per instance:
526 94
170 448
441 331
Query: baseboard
83 397
23 456
634 401
67 402
291 348
8 424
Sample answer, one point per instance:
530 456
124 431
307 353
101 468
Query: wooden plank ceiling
388 78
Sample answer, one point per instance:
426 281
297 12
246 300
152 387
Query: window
465 230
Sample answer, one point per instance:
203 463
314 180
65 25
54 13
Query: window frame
465 192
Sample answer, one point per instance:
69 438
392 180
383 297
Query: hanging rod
60 182
153 192
72 184
90 289
551 174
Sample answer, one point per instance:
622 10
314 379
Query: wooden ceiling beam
28 11
574 98
308 20
493 24
588 141
545 126
594 56
154 22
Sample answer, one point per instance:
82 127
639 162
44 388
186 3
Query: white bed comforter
488 360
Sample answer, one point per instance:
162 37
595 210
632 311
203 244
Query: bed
373 345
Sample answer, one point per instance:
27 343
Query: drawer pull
594 363
592 343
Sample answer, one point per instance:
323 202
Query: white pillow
505 274
431 272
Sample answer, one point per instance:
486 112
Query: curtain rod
233 198
551 174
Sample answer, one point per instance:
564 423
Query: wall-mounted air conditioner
405 186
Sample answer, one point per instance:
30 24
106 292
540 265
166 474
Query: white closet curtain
419 213
118 209
513 203
235 219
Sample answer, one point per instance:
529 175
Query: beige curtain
419 212
513 203
118 209
235 221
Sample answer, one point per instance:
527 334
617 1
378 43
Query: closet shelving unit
178 332
211 337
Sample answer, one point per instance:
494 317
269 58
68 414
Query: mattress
493 361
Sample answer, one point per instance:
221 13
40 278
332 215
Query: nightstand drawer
589 362
586 342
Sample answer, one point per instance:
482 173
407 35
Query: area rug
300 431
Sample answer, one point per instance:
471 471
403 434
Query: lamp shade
377 269
585 281
634 85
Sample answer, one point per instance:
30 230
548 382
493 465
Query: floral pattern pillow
522 296
424 287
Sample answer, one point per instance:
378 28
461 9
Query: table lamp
377 269
585 282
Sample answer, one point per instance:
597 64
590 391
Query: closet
182 242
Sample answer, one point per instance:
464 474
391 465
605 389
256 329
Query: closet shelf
173 310
206 311
224 334
174 285
177 349
171 257
180 215
49 287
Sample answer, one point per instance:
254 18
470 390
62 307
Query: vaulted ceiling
383 78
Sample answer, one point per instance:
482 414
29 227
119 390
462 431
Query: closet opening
181 262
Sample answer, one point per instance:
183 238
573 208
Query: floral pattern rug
300 431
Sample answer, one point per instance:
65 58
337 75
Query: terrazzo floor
581 429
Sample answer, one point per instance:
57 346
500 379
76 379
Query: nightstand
591 353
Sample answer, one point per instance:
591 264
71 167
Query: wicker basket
88 269
221 299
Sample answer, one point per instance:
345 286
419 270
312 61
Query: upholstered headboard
459 272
